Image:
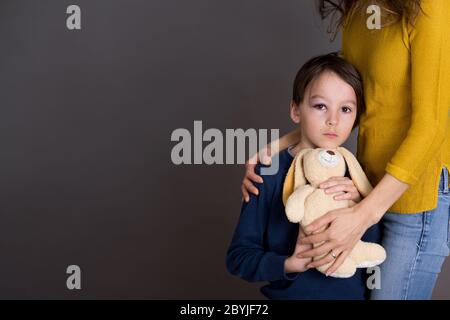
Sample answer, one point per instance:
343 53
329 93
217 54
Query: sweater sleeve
430 86
247 256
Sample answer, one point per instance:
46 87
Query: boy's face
327 113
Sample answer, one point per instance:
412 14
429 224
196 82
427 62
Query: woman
403 143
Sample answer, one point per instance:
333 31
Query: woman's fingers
245 195
340 259
318 251
350 193
346 196
334 181
320 222
335 184
250 187
251 175
340 188
315 238
301 233
318 263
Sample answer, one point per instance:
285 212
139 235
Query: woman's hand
348 225
343 186
294 263
250 176
346 228
264 155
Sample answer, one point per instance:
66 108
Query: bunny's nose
330 152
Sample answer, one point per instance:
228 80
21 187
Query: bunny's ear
356 172
295 176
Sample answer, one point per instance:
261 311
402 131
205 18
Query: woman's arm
347 226
429 43
382 197
264 155
285 141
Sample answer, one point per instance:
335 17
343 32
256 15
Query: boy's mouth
330 135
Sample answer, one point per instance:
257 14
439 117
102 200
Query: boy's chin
327 145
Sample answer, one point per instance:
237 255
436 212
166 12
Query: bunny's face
321 164
314 166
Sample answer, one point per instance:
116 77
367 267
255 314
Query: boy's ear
295 112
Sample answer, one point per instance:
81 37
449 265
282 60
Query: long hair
392 11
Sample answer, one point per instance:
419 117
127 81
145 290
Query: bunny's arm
295 205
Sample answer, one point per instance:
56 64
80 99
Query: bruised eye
320 106
346 109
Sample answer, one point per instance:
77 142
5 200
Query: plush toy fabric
305 201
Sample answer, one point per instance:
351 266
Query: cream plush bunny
305 201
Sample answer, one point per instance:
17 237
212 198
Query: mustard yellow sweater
406 74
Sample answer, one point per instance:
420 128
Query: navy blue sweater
264 238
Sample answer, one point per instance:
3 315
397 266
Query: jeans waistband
443 183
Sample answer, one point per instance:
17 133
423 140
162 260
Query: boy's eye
346 109
320 106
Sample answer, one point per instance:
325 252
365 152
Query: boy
327 102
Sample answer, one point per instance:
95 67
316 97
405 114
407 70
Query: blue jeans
416 247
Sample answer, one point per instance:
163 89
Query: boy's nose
331 122
332 119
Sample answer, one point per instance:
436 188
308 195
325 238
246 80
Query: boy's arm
247 256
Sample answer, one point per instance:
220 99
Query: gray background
86 117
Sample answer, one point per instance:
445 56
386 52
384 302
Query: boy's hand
293 263
343 187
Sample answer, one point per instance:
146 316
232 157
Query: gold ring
333 255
